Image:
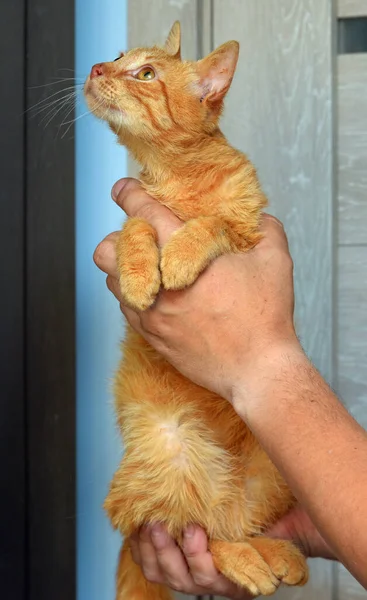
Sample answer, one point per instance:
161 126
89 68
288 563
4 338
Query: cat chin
98 105
114 117
112 114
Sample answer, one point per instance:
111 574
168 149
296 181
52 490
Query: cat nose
97 71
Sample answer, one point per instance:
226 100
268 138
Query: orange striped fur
188 457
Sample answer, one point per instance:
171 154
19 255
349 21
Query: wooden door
289 88
37 334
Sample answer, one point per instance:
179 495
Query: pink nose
97 70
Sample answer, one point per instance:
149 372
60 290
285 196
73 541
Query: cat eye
145 74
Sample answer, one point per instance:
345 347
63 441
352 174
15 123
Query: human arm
317 446
238 320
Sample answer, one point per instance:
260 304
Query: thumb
298 527
131 197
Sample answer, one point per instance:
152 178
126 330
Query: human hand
297 527
192 571
239 309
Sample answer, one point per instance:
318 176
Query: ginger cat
188 457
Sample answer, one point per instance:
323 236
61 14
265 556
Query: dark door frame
37 316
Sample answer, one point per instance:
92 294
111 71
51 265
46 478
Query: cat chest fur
181 465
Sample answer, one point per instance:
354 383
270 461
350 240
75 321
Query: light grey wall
279 112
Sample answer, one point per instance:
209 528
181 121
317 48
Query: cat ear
216 72
173 41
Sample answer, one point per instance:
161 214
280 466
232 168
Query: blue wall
100 35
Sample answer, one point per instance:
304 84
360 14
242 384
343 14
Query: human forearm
318 447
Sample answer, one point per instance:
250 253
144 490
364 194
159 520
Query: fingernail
157 530
117 188
158 536
189 531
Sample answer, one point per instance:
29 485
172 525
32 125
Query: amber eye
145 74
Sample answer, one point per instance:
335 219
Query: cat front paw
138 264
139 291
177 271
286 562
191 249
260 564
181 265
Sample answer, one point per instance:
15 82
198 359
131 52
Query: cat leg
131 583
284 559
260 564
138 263
191 249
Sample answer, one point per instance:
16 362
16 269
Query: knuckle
147 211
191 554
109 282
151 574
130 191
129 186
286 259
203 580
290 263
175 584
275 220
106 250
268 219
152 322
135 556
100 253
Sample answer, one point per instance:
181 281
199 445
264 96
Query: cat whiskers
108 106
45 102
58 80
55 103
72 121
65 102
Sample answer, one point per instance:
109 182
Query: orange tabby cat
188 457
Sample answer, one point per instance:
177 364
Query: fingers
132 317
134 547
293 527
114 287
273 231
202 569
266 218
105 255
162 561
199 559
171 561
130 196
298 527
148 557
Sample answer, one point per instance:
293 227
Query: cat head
151 94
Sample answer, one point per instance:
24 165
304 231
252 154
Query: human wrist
267 373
